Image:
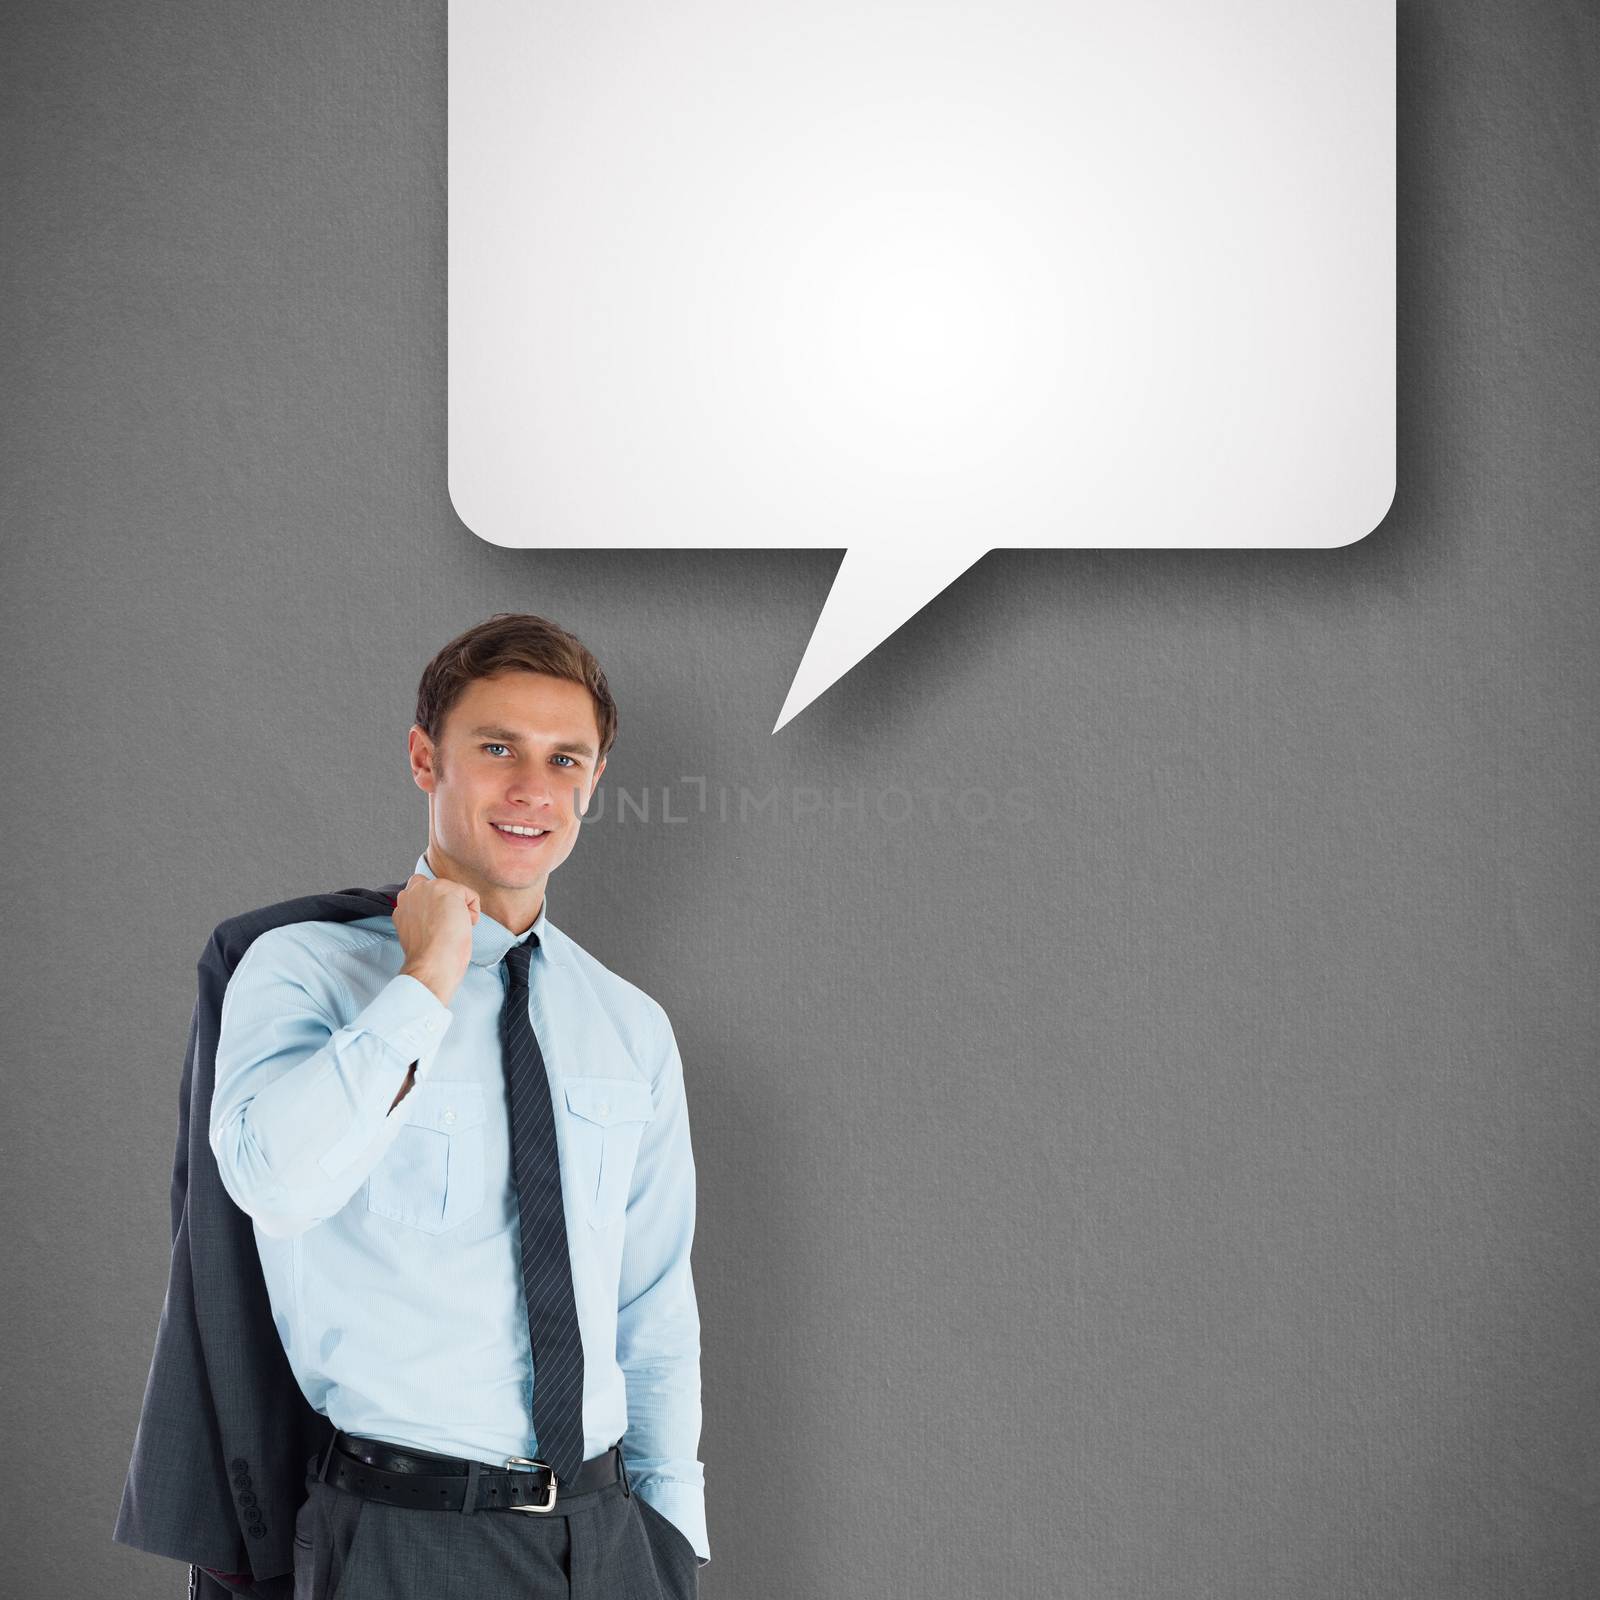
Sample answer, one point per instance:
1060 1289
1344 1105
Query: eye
568 759
494 747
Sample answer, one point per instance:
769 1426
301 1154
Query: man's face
519 750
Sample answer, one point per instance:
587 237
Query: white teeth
524 833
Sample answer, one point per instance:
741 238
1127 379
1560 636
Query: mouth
521 835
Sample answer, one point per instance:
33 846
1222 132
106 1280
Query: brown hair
512 641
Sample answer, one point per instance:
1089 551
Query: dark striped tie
546 1265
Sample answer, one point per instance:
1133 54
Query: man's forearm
295 1138
658 1320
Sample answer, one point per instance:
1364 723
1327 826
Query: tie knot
517 959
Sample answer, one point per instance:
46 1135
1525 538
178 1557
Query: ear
420 748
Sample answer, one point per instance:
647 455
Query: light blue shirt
390 1241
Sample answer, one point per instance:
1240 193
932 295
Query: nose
546 794
533 789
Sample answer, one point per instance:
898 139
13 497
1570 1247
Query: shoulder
328 959
640 1017
317 940
368 909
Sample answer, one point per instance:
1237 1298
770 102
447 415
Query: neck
514 909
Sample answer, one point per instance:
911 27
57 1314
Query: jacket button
240 1464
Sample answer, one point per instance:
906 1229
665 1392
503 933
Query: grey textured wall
1180 1184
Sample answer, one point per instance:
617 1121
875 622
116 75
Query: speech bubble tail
876 589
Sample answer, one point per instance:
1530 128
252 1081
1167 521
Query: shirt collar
491 939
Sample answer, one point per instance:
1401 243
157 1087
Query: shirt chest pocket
431 1177
606 1118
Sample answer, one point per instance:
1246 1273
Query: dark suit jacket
219 1460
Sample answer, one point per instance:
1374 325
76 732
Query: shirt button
604 1108
450 1114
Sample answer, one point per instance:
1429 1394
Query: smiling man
464 1147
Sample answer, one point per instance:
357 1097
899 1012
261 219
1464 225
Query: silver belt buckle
516 1462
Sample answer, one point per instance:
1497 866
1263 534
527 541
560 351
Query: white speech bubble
921 281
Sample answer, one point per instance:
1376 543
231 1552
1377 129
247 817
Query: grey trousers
605 1545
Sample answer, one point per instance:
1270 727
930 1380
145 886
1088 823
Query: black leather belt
382 1471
